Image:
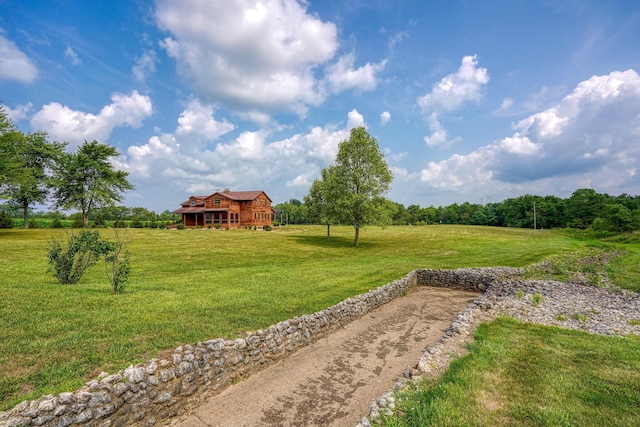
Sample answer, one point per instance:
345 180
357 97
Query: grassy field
524 375
192 285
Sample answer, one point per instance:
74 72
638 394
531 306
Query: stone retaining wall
149 393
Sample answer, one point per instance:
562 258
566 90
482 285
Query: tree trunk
25 214
85 219
328 231
357 239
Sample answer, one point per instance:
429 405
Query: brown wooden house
227 209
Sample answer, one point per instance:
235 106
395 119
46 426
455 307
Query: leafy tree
428 215
615 217
36 157
320 209
361 177
86 179
10 164
583 207
6 221
292 211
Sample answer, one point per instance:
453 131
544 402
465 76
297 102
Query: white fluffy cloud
455 89
64 124
14 64
342 75
385 117
449 94
250 55
590 138
19 113
249 160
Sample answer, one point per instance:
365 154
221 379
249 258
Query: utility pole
534 215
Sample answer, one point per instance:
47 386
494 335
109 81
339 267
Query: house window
216 201
193 202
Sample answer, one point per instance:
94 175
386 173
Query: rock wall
149 393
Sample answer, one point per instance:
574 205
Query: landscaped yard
192 285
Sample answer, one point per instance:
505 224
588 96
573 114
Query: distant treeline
584 209
118 216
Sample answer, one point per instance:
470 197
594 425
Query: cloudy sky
469 100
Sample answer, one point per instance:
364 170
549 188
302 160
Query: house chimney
226 190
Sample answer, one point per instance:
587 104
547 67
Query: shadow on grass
332 242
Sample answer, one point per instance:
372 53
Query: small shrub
56 223
180 226
536 299
33 223
77 222
81 252
117 262
579 317
99 221
5 220
136 223
267 228
119 223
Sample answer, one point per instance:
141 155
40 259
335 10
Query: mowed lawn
192 285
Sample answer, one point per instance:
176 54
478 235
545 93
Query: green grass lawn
529 375
192 285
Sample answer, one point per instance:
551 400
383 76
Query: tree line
34 170
584 209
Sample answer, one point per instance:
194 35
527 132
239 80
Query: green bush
267 228
180 226
33 223
117 262
5 220
56 223
81 252
119 223
136 223
99 221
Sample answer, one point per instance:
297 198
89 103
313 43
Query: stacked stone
604 311
145 394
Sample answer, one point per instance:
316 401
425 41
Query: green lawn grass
530 375
192 285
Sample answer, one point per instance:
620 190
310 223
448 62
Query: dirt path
333 381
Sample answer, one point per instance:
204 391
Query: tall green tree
86 179
37 158
360 179
30 159
10 164
320 209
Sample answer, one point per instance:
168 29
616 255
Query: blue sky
469 100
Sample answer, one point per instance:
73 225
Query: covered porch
201 217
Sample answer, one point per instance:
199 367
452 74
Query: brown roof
233 195
240 195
